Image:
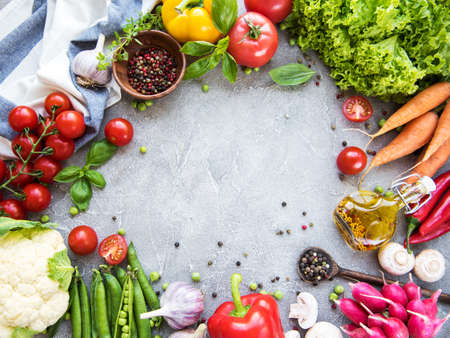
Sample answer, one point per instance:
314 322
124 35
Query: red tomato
357 109
40 127
23 179
250 45
22 117
351 160
82 240
119 132
113 249
25 143
48 167
275 10
3 170
62 147
57 99
37 197
12 208
70 124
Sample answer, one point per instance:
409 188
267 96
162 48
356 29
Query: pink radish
412 290
395 310
392 327
421 326
374 332
370 321
394 292
352 310
416 305
355 332
360 291
431 304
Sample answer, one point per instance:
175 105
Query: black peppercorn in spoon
311 263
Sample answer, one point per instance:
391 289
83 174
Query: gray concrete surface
218 167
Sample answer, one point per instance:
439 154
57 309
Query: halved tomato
113 249
357 109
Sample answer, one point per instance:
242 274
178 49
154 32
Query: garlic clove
395 259
430 266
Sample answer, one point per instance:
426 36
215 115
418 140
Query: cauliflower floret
28 297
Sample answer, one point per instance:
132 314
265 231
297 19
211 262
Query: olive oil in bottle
367 220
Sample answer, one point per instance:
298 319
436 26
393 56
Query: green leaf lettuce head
35 273
385 48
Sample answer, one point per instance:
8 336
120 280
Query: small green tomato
338 289
333 296
73 211
196 276
278 295
154 276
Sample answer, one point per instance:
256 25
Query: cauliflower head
35 273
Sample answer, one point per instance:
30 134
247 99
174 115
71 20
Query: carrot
415 135
423 102
441 134
433 164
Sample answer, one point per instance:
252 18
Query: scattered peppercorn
311 224
333 306
260 285
333 127
238 263
339 96
121 231
304 227
220 244
177 244
283 204
45 218
214 295
341 176
371 152
304 213
344 143
317 83
318 77
287 279
210 263
245 254
384 113
114 218
277 277
273 280
158 293
288 231
367 125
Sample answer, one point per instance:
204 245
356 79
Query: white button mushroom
395 259
323 330
292 334
305 310
430 266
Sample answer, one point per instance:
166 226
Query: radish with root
352 310
354 332
431 304
392 327
370 321
416 305
395 309
412 290
394 292
361 291
422 326
374 332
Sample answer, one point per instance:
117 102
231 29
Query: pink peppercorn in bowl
154 69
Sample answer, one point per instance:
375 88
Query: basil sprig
83 178
224 14
291 74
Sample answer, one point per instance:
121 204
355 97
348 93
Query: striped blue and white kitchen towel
38 40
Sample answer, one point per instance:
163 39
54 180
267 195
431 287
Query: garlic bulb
181 306
395 259
84 66
190 333
430 266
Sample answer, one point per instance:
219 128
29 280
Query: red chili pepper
442 230
438 216
251 316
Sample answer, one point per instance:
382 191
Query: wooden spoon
337 271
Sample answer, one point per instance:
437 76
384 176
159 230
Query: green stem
254 31
239 309
184 4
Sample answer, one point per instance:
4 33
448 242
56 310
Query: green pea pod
125 316
75 309
149 294
53 329
115 292
134 332
108 305
85 309
101 313
94 282
143 325
121 274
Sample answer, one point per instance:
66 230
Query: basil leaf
222 45
197 48
68 174
198 68
96 178
291 74
229 67
224 14
81 193
100 152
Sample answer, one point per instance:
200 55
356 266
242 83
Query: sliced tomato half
357 109
113 249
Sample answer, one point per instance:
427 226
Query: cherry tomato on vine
48 167
70 124
351 160
22 117
253 40
40 127
82 240
62 147
57 99
3 170
113 249
22 179
119 132
13 208
37 197
357 109
275 10
26 144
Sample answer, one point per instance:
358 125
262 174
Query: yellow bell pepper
186 22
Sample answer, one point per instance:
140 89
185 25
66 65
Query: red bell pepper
251 316
442 230
438 216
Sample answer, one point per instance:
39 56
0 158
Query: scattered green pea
73 211
256 69
154 276
157 336
283 26
205 88
253 286
196 276
134 104
333 296
381 123
121 231
45 218
67 316
247 71
122 321
378 189
142 106
278 295
126 329
292 42
389 194
143 149
149 103
263 292
164 286
123 314
338 289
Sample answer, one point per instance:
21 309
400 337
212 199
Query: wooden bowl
152 38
